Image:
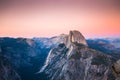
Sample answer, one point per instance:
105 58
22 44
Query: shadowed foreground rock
6 70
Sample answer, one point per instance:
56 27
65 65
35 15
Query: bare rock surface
76 61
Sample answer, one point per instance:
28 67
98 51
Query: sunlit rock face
75 61
77 37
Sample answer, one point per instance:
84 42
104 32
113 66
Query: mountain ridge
78 62
65 50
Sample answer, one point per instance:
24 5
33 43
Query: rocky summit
74 37
77 37
74 60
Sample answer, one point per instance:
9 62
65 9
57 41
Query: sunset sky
46 18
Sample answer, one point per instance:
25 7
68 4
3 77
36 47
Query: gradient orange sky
46 19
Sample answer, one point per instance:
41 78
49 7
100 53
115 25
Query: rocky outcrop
77 37
78 62
116 69
74 37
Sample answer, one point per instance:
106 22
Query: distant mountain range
109 46
46 58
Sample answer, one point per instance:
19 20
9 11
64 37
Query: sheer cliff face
6 70
77 37
75 61
74 37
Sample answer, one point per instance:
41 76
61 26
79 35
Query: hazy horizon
95 37
47 18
